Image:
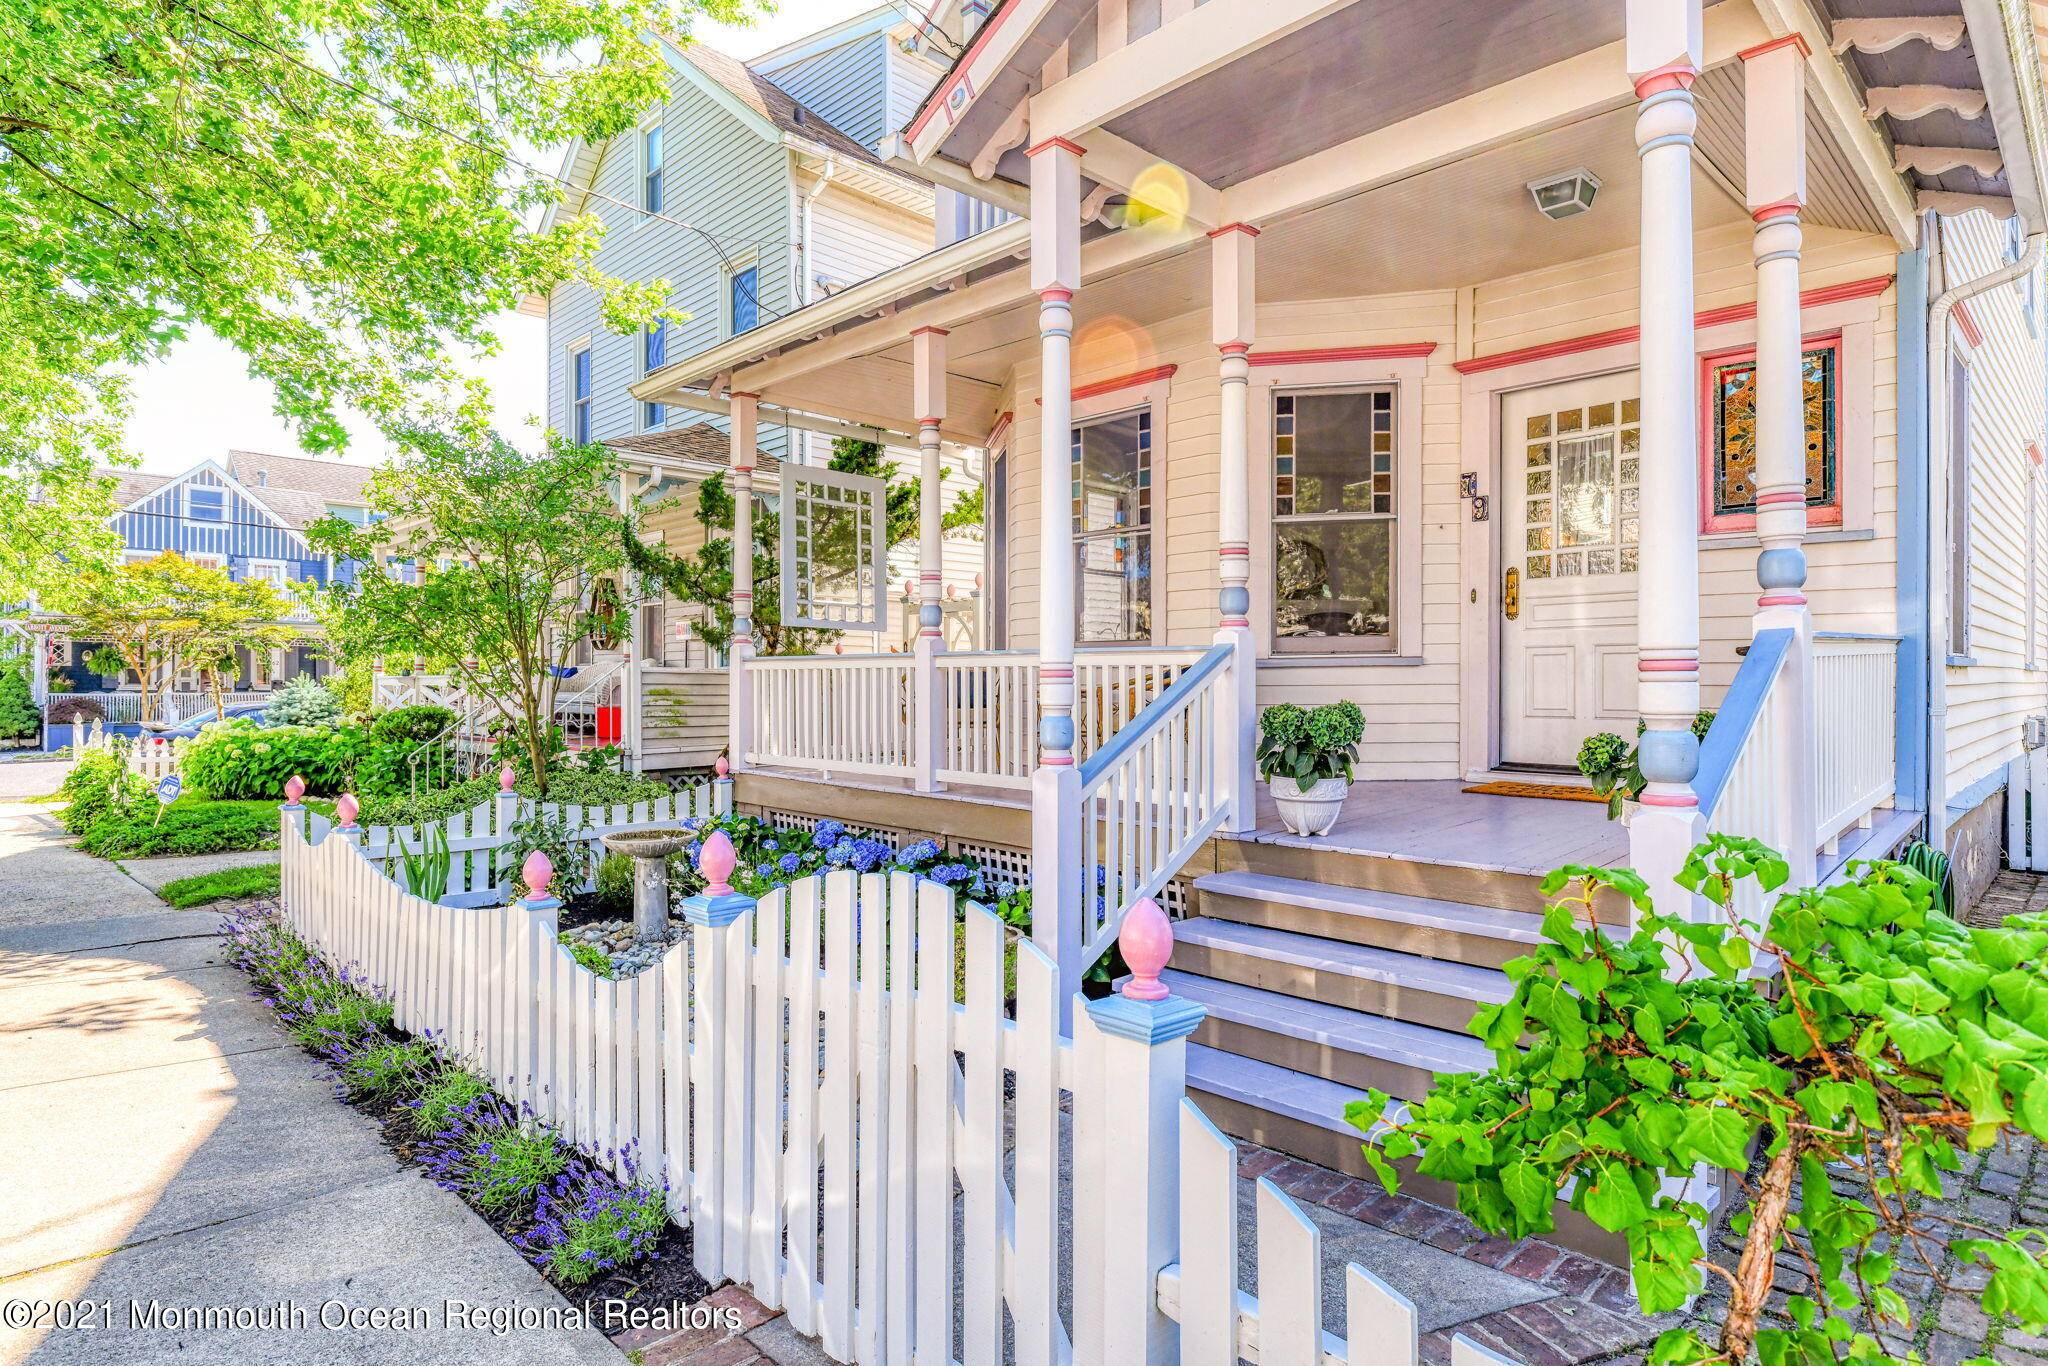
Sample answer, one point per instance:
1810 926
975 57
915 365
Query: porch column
740 728
1233 320
1056 873
1664 49
1774 77
928 351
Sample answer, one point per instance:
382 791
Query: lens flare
1113 346
1158 199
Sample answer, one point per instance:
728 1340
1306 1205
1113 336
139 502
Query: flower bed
595 1234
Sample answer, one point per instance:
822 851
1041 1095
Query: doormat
1555 791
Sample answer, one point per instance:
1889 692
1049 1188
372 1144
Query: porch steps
1425 927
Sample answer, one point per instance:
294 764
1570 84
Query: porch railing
1149 797
835 713
1855 682
1741 778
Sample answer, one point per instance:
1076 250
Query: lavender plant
588 1222
497 1158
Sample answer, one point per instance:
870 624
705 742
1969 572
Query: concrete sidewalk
161 1142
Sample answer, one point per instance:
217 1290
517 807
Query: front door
1569 525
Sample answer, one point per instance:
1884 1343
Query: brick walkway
2011 893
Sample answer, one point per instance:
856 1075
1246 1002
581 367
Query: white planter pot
1312 812
1629 808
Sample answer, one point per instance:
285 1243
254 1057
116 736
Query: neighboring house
1513 370
754 191
248 515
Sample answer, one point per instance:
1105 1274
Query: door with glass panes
1570 520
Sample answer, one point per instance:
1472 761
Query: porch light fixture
1565 195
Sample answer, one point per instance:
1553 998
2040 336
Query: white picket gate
800 1075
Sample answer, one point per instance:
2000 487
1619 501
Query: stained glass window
1582 503
1333 514
1731 400
1112 494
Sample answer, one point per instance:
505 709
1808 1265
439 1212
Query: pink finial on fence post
506 778
537 872
1147 943
715 861
294 788
345 809
722 768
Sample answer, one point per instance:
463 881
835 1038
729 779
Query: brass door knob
1511 593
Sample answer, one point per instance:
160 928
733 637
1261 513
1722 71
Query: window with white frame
743 299
267 571
1334 507
206 503
579 394
1112 497
654 355
650 168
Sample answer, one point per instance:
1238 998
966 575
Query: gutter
2008 62
1939 594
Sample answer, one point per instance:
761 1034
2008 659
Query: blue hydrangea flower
950 873
827 834
840 854
922 852
772 846
1006 889
867 855
789 863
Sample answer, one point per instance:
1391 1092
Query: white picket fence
151 756
800 1075
474 837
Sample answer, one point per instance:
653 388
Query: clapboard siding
843 85
854 237
245 532
723 177
911 77
1988 698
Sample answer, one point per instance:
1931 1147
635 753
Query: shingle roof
776 105
701 441
294 487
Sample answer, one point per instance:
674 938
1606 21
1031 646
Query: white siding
854 238
1988 698
911 77
842 84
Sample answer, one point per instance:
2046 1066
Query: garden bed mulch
669 1279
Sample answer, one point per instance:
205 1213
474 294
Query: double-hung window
205 503
1333 520
745 303
650 168
579 395
654 355
1112 494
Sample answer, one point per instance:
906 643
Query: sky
200 403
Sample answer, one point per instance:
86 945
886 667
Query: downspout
806 282
1939 595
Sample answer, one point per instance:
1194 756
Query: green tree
339 192
156 614
1857 1033
492 550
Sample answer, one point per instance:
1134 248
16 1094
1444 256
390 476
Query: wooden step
1438 993
1483 936
1471 883
1348 1047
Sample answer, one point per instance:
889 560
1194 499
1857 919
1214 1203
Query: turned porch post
1233 319
1774 77
1664 50
928 354
740 735
1056 873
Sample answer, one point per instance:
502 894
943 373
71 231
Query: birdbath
649 850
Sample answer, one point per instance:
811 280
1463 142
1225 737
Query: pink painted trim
999 431
1055 761
1245 228
1669 664
932 422
1235 621
2034 451
935 331
1782 600
1784 208
1789 40
1055 672
944 92
1235 551
1130 381
1076 148
1827 515
1620 336
742 393
1967 325
1672 76
1235 348
1055 294
1389 351
1660 799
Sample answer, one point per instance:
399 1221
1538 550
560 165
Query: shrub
589 1222
495 1158
1309 746
100 785
65 710
408 808
615 885
445 1092
189 825
354 686
554 836
331 1010
383 1069
19 719
412 726
589 957
576 786
240 760
304 701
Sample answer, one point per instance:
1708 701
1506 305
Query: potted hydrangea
1611 765
1305 757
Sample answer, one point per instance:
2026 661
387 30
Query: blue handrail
1138 727
1738 714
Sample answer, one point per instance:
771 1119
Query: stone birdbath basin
649 850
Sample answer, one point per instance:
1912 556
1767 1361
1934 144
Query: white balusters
1855 682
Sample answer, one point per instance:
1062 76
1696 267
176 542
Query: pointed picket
836 1117
675 1079
1379 1321
1208 1242
765 1252
1034 1305
937 1083
872 1091
1290 1280
800 1161
902 927
981 1149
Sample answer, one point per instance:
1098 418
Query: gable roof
769 102
294 490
